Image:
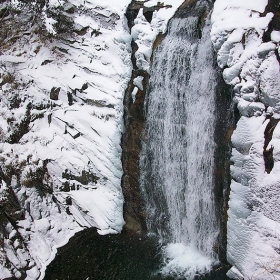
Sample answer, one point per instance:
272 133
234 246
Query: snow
138 82
145 33
49 22
232 21
134 92
4 272
253 5
82 137
275 36
251 67
98 205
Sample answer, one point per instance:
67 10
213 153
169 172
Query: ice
33 273
145 33
138 82
134 92
275 36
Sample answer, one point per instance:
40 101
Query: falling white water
177 159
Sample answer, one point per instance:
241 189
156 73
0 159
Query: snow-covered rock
60 127
250 64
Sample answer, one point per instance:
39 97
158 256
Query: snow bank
251 66
144 33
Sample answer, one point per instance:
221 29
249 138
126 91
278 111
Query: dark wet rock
134 210
268 153
4 12
81 30
68 200
85 178
54 93
21 128
70 98
70 9
47 61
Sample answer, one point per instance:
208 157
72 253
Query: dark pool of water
89 256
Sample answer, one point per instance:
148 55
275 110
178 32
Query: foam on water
184 261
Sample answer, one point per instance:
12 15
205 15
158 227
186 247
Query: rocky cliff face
246 37
147 23
64 68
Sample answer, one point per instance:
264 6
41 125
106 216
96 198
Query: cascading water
177 158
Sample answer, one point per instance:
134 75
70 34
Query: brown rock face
227 116
134 213
134 120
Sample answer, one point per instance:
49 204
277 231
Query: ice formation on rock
247 48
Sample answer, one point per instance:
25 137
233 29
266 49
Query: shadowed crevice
268 153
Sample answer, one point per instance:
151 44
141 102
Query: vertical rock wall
246 37
63 72
147 23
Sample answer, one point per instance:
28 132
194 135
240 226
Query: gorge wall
73 77
146 25
135 206
246 37
64 68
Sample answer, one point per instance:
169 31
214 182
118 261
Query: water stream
177 159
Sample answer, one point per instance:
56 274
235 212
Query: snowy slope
61 124
63 72
248 51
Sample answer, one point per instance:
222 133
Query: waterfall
177 157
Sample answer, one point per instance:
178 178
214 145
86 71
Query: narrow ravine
174 201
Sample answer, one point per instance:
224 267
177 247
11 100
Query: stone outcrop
134 119
134 210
